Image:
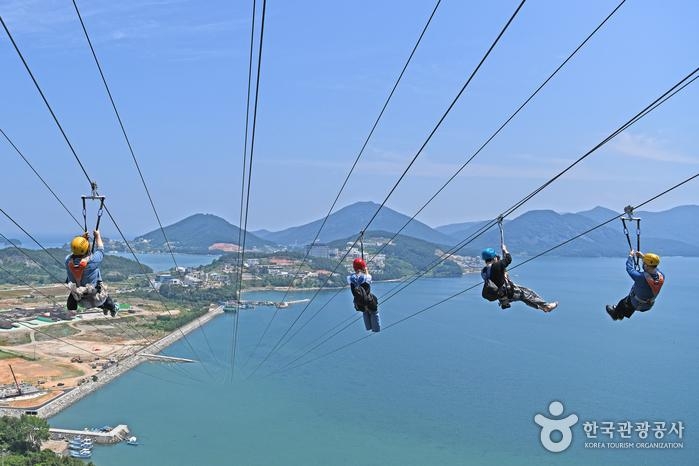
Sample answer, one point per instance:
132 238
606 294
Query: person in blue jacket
364 301
646 286
84 277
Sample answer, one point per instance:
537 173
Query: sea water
457 384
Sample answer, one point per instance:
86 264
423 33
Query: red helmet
358 264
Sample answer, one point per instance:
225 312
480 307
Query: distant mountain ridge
348 221
666 233
669 232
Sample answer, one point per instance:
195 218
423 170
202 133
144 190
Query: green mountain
35 267
196 234
349 220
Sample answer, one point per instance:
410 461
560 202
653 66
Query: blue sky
178 71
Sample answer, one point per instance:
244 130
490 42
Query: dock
116 435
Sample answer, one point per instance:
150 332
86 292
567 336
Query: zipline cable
417 154
492 136
38 175
349 174
82 167
133 155
58 281
683 83
501 127
478 284
252 152
243 178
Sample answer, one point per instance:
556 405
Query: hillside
536 231
195 234
19 269
404 256
349 220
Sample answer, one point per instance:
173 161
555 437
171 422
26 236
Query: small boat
78 447
81 440
132 441
80 443
84 453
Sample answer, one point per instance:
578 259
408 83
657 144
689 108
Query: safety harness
654 285
78 269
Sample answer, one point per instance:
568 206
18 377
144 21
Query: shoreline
60 403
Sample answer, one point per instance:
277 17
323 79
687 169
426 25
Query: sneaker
104 311
548 307
113 312
611 311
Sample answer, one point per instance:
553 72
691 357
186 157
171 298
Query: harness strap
654 284
78 269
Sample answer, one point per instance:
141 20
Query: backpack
491 291
364 299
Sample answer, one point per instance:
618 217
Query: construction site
46 351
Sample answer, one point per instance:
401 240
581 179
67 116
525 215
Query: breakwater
55 406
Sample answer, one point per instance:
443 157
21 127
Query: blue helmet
488 254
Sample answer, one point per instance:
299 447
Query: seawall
55 406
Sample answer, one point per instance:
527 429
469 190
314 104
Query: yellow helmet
80 246
651 260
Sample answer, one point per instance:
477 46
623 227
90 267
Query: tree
20 442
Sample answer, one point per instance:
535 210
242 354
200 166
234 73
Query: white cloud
649 148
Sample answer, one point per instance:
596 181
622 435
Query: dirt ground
84 346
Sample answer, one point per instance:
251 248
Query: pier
116 435
160 357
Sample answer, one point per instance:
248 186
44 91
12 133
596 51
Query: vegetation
20 441
51 332
5 354
15 338
195 234
405 256
42 267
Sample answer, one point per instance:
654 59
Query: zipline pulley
502 233
361 243
629 217
92 197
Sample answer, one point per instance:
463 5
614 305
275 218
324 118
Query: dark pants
371 321
72 304
625 309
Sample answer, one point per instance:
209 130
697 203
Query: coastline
53 407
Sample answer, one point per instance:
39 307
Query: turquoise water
458 384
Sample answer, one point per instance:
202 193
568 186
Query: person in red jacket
364 301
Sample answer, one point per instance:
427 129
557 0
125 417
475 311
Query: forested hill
19 268
404 255
195 234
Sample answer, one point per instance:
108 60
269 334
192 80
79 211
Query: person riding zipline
84 276
646 286
498 286
364 301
